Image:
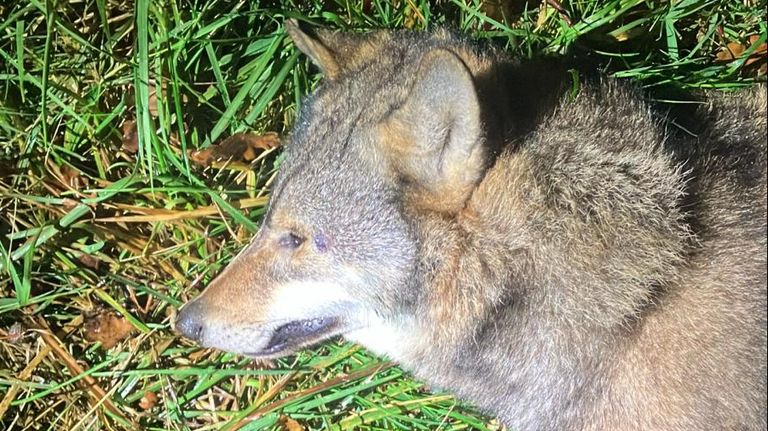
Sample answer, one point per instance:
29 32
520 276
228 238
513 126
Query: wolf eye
291 241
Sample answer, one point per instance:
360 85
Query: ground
138 141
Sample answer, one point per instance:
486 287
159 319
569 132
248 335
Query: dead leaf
754 58
756 63
88 382
731 51
68 176
148 400
759 54
89 261
130 137
734 50
71 177
240 147
106 327
288 424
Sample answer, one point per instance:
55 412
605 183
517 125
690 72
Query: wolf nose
189 321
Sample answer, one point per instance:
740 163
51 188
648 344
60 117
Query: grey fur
566 264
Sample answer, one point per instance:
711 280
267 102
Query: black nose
189 321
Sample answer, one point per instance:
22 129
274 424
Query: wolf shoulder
716 142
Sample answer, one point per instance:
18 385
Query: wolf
563 261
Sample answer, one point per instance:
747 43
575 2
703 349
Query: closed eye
290 241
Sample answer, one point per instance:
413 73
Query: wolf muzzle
190 322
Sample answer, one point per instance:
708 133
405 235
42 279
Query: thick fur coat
588 261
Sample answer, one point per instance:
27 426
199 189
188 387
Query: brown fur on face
562 262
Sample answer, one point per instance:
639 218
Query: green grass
90 225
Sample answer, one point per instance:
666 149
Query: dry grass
109 220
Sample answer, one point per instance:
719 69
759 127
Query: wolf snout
189 321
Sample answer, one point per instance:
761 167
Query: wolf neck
537 268
523 244
507 302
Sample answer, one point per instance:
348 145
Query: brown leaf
762 49
754 59
240 147
731 51
71 177
288 424
760 54
148 400
89 260
98 394
106 327
130 137
202 157
757 60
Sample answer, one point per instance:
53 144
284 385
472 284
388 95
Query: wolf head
394 126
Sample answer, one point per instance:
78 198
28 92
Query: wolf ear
313 43
435 138
332 51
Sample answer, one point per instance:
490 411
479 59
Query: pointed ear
434 139
312 44
333 51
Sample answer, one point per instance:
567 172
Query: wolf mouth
296 334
